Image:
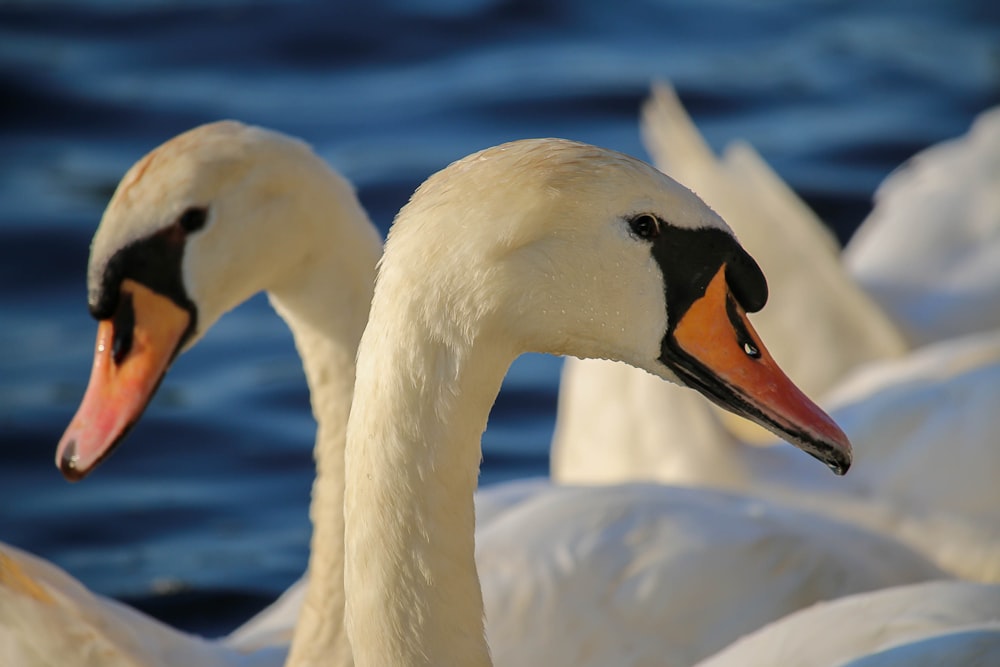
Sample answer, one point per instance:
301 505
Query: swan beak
134 349
717 351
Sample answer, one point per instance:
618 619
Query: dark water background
201 516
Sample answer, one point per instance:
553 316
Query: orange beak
134 349
715 350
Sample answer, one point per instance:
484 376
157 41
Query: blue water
200 517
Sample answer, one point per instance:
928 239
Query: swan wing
832 633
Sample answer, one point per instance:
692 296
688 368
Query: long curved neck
421 403
326 312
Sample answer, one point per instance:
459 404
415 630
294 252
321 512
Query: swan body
644 574
924 474
659 575
879 629
935 452
539 245
48 618
195 227
929 252
911 417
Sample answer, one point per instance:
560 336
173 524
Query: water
200 518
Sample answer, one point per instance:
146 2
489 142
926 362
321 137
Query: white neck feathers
423 396
324 299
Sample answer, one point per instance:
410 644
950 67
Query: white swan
677 535
886 625
542 245
197 226
929 252
909 482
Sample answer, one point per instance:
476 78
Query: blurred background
200 518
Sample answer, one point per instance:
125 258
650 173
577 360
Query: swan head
582 251
194 228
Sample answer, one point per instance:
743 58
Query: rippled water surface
201 516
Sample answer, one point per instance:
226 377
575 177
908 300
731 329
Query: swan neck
326 324
413 454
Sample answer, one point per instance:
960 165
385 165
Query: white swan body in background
840 632
48 618
659 575
923 427
551 246
929 252
635 574
929 422
197 226
920 423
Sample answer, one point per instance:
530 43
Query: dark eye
193 219
645 226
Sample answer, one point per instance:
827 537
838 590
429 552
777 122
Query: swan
194 228
537 245
679 534
819 324
908 482
929 252
893 626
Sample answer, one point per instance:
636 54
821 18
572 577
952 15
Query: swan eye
645 226
193 219
751 350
